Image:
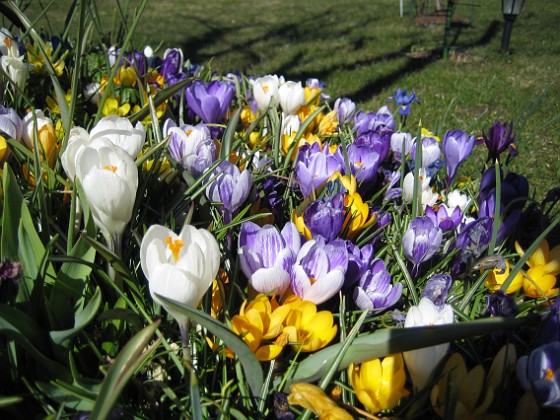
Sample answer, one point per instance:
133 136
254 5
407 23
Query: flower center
175 246
110 168
549 374
188 132
265 88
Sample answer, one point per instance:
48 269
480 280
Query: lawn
364 50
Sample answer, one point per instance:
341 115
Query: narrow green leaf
392 341
159 98
229 134
11 214
251 366
129 359
6 401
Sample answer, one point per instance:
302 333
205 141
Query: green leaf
251 366
229 134
6 401
129 359
392 341
11 214
73 395
81 319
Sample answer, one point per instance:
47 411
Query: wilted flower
540 372
231 187
437 288
121 133
379 385
192 146
421 362
210 101
499 138
266 256
314 398
421 240
544 265
374 291
179 267
457 146
104 164
318 273
308 330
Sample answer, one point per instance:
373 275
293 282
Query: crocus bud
37 122
292 96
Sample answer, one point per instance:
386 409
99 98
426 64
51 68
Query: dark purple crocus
421 240
514 193
172 66
325 217
266 256
359 261
380 121
135 59
499 138
230 186
314 166
445 218
374 291
345 109
210 101
457 146
404 100
437 288
318 273
473 241
540 372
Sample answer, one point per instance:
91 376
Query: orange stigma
110 168
175 246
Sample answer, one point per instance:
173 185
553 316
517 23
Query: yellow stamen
188 132
175 246
265 88
110 168
359 164
549 374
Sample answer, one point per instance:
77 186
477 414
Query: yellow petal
314 398
268 352
472 387
504 361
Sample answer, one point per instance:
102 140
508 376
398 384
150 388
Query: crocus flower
265 91
210 101
421 362
379 385
437 288
540 371
497 277
325 217
472 396
10 123
456 199
121 132
421 240
457 146
318 273
473 240
499 138
292 96
313 167
426 196
101 165
399 141
231 187
374 291
358 215
313 398
345 110
12 63
259 324
37 122
447 219
192 146
359 262
266 256
306 329
544 265
379 121
431 151
78 140
172 65
92 92
179 267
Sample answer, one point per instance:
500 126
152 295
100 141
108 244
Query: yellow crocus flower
308 330
544 266
112 107
314 398
328 124
357 217
496 278
379 385
3 147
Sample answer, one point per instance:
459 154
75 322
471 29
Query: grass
364 50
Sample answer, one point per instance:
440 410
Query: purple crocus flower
437 288
444 217
266 256
359 261
210 101
374 291
192 147
172 66
404 100
135 59
318 273
473 240
540 372
231 187
499 138
457 146
345 110
325 217
380 121
398 140
500 304
421 240
314 166
431 152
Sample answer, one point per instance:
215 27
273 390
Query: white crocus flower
425 193
290 124
179 267
292 97
421 362
455 198
120 132
265 90
12 62
109 178
78 140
